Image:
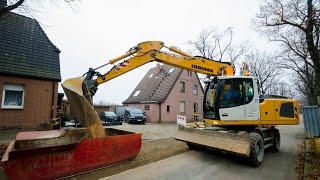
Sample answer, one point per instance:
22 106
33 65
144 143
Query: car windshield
136 111
110 113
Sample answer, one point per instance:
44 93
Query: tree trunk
314 54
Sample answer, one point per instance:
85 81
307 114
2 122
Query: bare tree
27 6
295 25
105 103
102 102
284 89
264 68
218 45
10 6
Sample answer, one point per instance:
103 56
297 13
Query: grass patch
8 134
312 162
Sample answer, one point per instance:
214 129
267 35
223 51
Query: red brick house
29 73
69 110
165 92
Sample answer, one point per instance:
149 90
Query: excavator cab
225 95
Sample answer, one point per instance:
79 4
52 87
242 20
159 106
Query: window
287 110
231 94
248 90
136 93
182 86
182 106
147 107
168 108
13 96
210 100
195 89
190 73
195 107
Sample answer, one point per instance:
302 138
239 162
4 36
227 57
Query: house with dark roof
29 73
167 91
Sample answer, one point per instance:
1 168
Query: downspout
159 112
52 101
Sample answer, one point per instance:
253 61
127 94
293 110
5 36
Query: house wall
175 96
100 109
39 97
152 115
69 110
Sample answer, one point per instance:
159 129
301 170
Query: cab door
251 99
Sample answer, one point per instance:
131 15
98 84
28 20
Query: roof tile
26 50
155 88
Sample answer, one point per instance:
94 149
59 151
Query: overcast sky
100 30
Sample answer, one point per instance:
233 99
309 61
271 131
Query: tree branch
11 7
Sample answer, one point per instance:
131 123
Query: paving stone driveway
151 131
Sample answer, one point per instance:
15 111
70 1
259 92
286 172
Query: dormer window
137 93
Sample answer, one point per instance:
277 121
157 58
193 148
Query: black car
109 118
134 115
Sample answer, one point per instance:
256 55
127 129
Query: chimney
158 69
3 3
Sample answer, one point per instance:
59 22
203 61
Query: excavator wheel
276 141
193 146
256 149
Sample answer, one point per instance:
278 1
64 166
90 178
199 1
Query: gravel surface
151 131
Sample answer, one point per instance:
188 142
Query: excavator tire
192 146
256 149
276 141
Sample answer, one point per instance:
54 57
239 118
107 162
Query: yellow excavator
236 119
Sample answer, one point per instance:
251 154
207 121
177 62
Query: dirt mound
3 148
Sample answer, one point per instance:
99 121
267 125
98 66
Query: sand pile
83 109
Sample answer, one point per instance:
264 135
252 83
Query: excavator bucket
82 107
215 138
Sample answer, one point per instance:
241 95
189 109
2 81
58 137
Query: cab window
231 94
248 90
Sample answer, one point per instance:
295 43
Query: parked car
70 121
109 118
134 115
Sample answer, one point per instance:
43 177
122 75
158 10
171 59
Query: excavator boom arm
150 51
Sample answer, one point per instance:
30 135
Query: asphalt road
209 165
